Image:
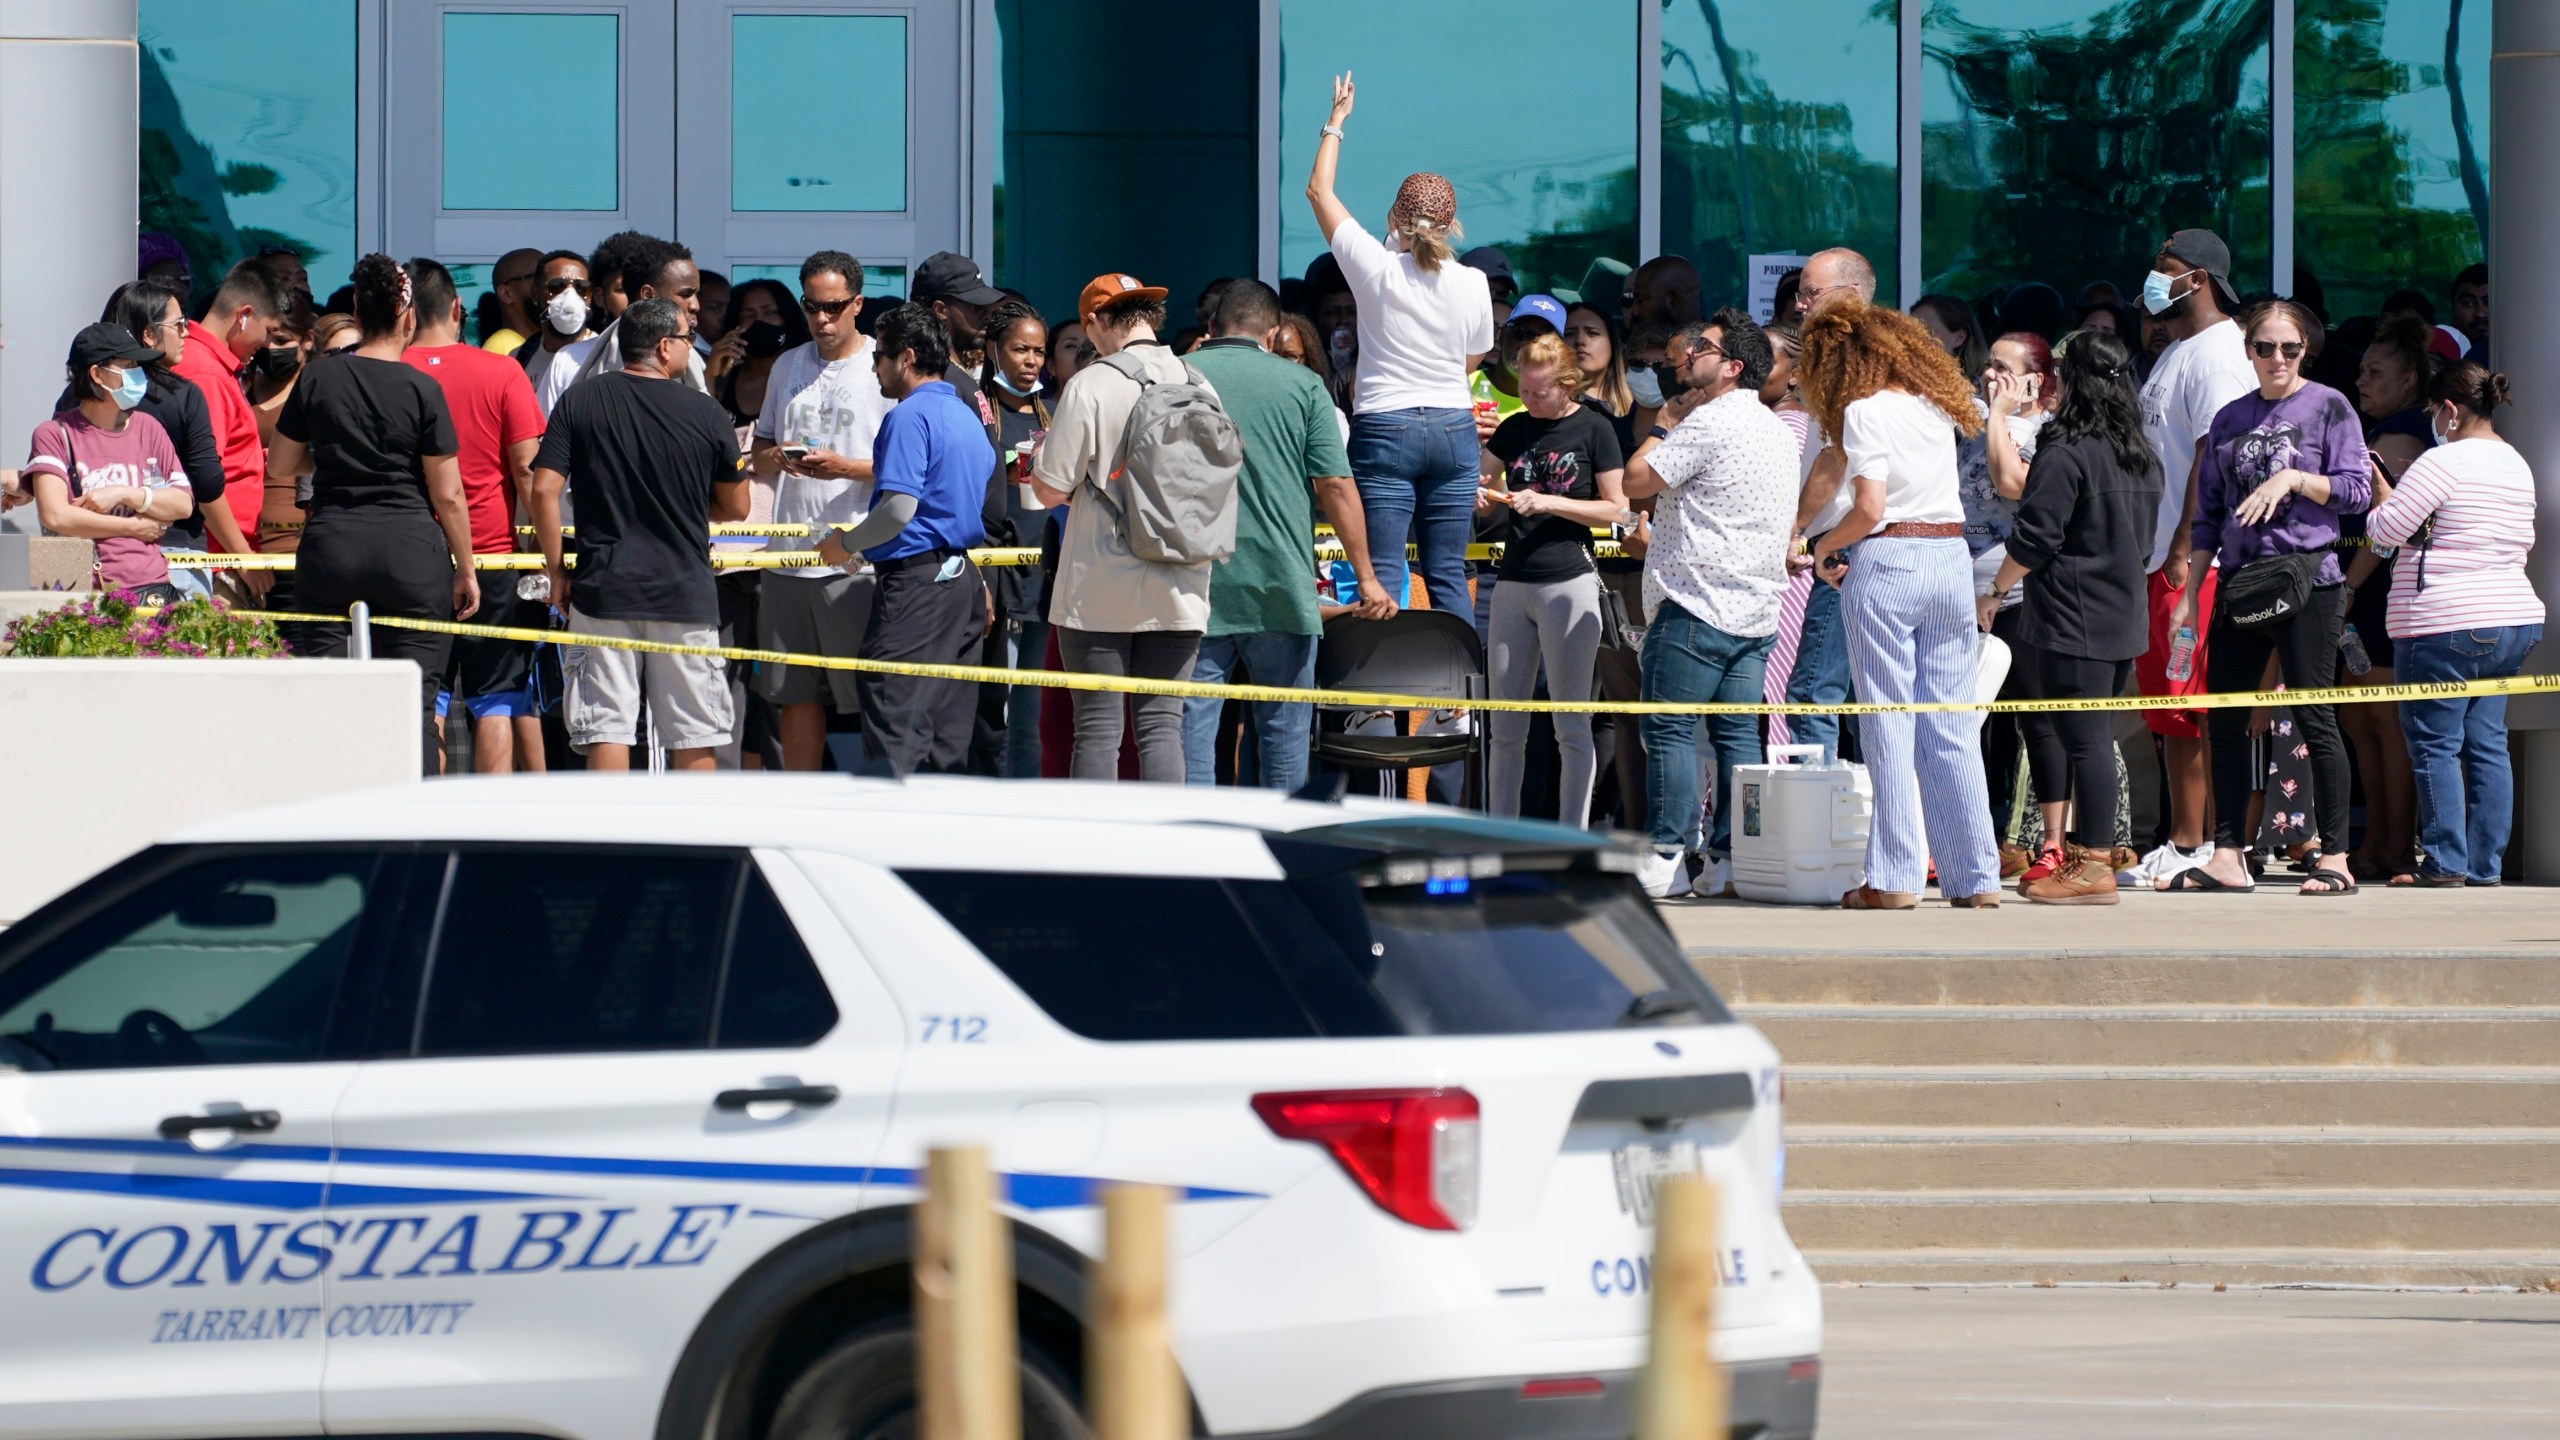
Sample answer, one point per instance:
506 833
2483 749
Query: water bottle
2182 654
2351 651
534 585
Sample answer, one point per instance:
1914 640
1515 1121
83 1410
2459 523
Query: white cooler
1800 827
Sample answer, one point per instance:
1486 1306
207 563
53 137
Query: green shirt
1292 438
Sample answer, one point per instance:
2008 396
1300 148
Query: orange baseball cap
1107 288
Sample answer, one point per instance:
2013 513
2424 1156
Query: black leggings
2072 751
397 564
2306 651
2001 732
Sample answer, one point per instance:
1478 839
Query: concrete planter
105 757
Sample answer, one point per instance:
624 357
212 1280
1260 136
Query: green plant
118 625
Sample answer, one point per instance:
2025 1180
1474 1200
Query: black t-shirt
1021 590
642 457
370 425
1563 458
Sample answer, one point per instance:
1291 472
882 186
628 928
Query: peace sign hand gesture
1342 97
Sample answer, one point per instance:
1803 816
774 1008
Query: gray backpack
1171 491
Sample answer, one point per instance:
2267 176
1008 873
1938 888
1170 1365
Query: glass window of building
780 156
882 285
1779 136
2391 147
508 77
2062 140
1528 106
248 135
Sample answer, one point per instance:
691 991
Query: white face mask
567 312
1646 389
2441 436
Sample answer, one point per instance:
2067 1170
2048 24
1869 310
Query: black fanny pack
2270 591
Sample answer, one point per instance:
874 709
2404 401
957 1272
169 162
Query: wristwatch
1333 130
1658 433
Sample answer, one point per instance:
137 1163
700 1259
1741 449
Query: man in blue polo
930 463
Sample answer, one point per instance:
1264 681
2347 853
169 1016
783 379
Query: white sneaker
1664 877
2164 862
1716 883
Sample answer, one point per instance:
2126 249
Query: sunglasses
558 283
2267 349
829 308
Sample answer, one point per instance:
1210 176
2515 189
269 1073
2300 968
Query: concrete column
70 139
2523 239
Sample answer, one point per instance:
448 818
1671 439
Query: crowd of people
2181 492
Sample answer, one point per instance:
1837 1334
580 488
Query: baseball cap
107 344
1539 307
2205 251
1106 288
1494 264
946 276
2448 344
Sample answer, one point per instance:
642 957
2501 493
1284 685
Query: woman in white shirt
1424 322
1889 390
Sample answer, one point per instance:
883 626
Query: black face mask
275 362
764 338
1668 377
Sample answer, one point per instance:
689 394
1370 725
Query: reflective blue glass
782 156
1447 85
1779 134
249 132
2062 140
2391 146
511 143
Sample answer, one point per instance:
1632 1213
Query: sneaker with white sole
2164 862
1716 882
1663 876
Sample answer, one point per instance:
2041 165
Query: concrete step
1834 1158
2165 1035
2529 1269
2327 1221
2329 979
2172 1097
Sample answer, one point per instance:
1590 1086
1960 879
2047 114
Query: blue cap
1540 307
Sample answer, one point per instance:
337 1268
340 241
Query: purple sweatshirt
2313 429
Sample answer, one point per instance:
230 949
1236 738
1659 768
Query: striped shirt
2480 494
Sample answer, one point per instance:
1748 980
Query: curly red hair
1853 349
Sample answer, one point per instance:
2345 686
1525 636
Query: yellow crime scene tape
1373 700
991 558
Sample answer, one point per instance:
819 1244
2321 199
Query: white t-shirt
1417 326
2193 379
556 373
1834 510
1909 445
809 400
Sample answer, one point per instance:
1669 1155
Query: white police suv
591 1107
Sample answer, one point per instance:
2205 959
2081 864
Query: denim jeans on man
1280 731
2458 747
1821 675
1685 658
1417 472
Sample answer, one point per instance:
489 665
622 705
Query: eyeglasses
829 308
2267 349
558 283
1809 296
512 279
686 338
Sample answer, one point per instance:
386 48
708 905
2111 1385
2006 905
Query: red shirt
492 405
210 364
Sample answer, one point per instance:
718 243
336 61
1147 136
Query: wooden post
1682 1395
967 1386
1136 1387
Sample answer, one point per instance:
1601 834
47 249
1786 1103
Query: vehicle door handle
243 1122
810 1095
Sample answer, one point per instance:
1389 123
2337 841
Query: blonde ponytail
1433 246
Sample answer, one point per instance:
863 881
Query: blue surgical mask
1644 387
2155 292
1007 386
137 383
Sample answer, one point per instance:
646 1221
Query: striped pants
1908 608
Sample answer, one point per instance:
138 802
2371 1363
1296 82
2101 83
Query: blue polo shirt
933 446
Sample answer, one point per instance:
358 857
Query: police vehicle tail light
1414 1152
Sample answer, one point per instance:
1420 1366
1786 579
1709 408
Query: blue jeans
2458 747
1280 731
1417 472
1685 658
1821 675
191 580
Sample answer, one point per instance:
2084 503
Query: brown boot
2088 877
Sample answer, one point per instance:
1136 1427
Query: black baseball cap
107 344
945 276
2204 250
1494 264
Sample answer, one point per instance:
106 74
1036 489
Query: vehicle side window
234 960
772 997
567 952
1123 957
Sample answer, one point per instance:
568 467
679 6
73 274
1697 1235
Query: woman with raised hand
387 525
1424 322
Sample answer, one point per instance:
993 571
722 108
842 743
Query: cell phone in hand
795 453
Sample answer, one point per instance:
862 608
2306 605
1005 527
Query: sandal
1982 900
2197 880
2328 882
